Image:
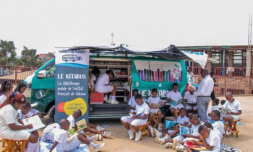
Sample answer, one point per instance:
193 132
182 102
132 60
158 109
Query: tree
7 52
29 58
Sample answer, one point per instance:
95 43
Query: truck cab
147 72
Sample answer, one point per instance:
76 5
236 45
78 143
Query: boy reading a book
235 109
215 106
138 118
62 142
181 120
208 139
215 116
90 128
154 104
27 111
191 100
132 102
174 96
184 136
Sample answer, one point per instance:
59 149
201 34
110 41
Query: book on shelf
35 121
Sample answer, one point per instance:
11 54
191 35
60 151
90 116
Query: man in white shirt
235 108
204 91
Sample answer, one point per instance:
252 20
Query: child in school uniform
174 95
215 106
27 111
215 116
61 142
178 141
223 102
191 99
94 75
136 120
91 128
132 102
181 120
154 110
208 139
127 88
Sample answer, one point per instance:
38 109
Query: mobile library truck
149 69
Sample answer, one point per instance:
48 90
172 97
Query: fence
15 74
220 71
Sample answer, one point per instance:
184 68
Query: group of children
207 134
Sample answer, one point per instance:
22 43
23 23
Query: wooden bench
14 145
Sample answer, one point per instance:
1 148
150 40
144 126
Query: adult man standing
203 94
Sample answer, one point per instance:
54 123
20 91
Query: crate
96 98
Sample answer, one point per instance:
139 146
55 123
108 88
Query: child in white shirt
90 127
223 103
27 111
137 119
94 74
191 99
215 106
208 139
215 115
132 102
154 104
61 142
181 139
181 120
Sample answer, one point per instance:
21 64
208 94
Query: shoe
131 134
174 145
99 128
100 137
106 100
160 127
106 134
151 130
228 132
138 136
157 133
114 102
161 141
99 147
180 148
168 145
95 137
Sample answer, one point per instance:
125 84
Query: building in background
45 57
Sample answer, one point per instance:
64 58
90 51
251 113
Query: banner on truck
71 84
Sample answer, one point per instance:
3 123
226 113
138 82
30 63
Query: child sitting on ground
215 115
27 111
191 100
173 143
208 139
210 126
132 102
137 119
181 120
154 104
60 138
90 128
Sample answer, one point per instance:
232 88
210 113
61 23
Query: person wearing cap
191 100
11 129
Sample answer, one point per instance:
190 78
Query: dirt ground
119 142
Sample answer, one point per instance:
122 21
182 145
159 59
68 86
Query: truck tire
51 113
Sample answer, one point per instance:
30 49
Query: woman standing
11 129
103 86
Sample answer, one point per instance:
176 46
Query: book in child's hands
175 103
155 105
35 121
80 125
71 135
225 110
185 130
170 124
195 147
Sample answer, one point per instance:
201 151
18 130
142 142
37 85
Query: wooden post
248 63
16 75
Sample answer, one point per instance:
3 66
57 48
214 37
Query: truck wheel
51 113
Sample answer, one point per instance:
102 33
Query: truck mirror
42 74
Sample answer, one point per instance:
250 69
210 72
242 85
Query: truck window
159 71
50 70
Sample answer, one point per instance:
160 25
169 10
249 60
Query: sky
46 25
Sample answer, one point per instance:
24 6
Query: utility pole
248 66
112 44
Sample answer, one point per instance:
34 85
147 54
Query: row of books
109 63
158 75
